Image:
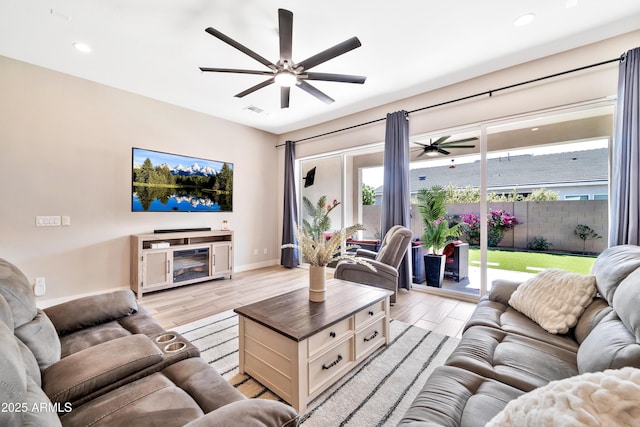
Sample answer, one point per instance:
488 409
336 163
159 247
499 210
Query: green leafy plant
438 233
539 243
319 213
368 195
318 250
585 233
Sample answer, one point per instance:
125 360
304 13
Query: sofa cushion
592 315
249 413
17 291
5 313
151 401
608 398
13 378
554 298
519 361
612 266
92 310
609 346
454 397
85 372
626 303
40 336
501 316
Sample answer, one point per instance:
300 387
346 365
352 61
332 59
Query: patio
471 284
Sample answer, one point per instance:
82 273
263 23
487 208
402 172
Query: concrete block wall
554 220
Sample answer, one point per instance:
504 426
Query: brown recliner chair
386 261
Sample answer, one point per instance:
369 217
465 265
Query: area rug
377 392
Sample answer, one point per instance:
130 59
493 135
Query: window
577 197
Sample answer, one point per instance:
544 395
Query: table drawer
330 365
370 337
329 336
365 315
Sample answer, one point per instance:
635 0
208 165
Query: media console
166 260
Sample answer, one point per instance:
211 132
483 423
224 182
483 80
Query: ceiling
155 47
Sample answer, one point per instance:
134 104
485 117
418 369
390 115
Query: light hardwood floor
186 304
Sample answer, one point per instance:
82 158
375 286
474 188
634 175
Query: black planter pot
434 269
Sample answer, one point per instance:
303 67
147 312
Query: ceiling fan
439 145
285 72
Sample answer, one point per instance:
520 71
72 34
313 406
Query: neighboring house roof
527 170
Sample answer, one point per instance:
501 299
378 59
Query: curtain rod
464 98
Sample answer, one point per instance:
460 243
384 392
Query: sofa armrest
92 310
501 290
96 367
249 413
366 253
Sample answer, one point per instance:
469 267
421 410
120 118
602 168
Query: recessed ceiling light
571 3
525 19
82 47
534 129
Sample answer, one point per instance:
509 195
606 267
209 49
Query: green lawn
519 261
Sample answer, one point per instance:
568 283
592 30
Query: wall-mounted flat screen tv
164 182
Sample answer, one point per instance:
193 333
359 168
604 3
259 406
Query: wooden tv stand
166 260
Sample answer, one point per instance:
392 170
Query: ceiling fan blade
448 143
315 92
445 152
285 24
330 53
234 70
343 78
440 140
458 146
240 47
255 88
421 154
285 91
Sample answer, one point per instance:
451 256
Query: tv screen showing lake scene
164 182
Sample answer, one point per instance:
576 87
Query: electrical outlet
40 287
255 252
264 251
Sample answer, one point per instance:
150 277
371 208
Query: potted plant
318 250
437 233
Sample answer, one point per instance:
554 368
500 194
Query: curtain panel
289 257
625 180
396 194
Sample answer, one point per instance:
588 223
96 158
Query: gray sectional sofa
104 361
504 354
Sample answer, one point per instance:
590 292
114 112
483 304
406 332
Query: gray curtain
625 180
395 194
289 256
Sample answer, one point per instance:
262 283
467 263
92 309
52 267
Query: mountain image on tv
163 182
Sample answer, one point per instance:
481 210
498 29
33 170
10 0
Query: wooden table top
294 316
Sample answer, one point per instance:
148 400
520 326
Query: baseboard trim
255 266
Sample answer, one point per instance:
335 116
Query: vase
434 269
317 283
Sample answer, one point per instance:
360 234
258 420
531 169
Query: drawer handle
332 334
370 313
375 334
332 364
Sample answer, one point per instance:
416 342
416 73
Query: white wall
65 149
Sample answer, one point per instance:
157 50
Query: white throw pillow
554 298
610 398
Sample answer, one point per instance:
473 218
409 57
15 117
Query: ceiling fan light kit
286 73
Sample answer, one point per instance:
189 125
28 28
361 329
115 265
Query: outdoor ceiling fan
439 145
285 72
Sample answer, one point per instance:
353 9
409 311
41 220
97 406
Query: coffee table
298 348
